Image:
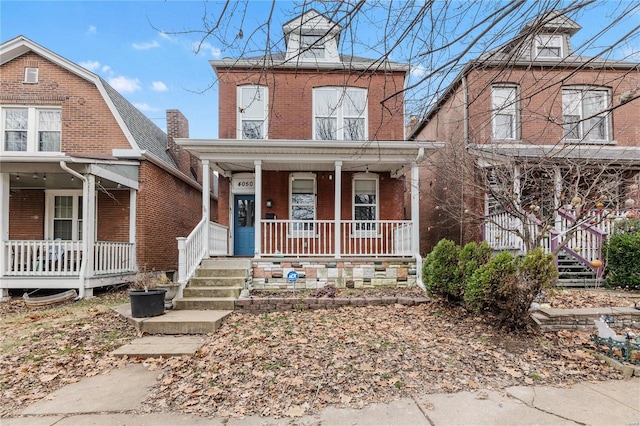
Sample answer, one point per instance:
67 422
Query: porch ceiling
233 155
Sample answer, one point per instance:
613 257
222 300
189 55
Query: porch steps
573 273
217 284
175 322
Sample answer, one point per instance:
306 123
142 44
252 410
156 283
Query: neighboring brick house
312 162
555 131
73 148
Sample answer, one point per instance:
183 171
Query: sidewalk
116 399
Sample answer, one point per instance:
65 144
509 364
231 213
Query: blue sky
134 46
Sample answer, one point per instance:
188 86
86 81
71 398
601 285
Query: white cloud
165 36
145 107
205 48
90 65
106 69
92 29
124 84
146 45
418 71
159 86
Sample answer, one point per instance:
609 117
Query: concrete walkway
116 399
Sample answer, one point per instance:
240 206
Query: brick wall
167 208
26 214
291 107
113 216
88 126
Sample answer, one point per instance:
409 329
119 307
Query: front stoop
176 322
216 285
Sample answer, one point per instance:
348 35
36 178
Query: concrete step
176 321
204 303
581 282
221 272
191 291
222 263
216 282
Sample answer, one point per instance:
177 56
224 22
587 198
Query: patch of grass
535 376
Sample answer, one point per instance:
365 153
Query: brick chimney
178 127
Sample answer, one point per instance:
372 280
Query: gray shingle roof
147 135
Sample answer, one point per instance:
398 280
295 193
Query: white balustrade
113 257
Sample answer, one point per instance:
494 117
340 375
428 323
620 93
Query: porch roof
238 155
624 155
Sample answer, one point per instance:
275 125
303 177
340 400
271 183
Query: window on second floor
252 112
31 129
548 46
585 114
504 107
340 113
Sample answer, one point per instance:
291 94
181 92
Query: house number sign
244 185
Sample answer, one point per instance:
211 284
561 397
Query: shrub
488 281
441 272
622 254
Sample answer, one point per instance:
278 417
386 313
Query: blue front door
244 225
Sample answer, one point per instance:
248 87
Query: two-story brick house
545 144
313 163
90 189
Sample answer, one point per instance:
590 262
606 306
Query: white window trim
607 116
239 134
30 75
309 233
339 90
32 129
515 109
546 40
49 214
365 233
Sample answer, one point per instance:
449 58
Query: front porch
65 223
290 202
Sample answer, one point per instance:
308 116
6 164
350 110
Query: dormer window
548 46
311 46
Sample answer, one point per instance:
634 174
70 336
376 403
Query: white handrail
191 250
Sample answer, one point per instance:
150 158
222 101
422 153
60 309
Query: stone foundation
274 304
312 274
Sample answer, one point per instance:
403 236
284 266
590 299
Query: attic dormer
312 37
550 36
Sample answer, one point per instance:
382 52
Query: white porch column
88 229
337 209
206 204
258 209
133 196
4 226
415 208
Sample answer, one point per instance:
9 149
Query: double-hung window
548 46
31 129
340 113
303 202
312 47
365 201
65 215
252 112
504 107
585 114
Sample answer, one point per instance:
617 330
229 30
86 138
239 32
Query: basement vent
31 75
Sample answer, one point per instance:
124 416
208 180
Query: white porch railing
218 239
191 250
41 258
113 257
37 258
317 238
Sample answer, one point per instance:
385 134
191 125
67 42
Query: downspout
415 215
83 263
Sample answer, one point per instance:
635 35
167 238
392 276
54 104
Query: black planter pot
147 303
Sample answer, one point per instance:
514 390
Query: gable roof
141 133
